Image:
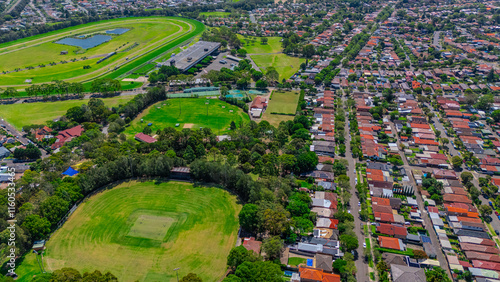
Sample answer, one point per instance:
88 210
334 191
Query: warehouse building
192 55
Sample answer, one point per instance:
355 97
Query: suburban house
144 138
66 136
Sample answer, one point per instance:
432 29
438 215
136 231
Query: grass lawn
216 14
296 261
20 115
141 231
285 65
253 44
284 102
193 115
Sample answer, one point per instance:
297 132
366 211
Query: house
252 245
392 230
258 106
144 138
401 273
391 259
324 262
391 243
308 274
67 135
4 152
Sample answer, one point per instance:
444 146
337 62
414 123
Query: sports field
40 59
253 44
189 113
216 14
283 102
20 115
285 65
141 231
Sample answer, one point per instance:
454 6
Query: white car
364 245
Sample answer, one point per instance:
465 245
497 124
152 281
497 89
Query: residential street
427 222
361 265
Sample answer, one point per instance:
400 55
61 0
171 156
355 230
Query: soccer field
141 231
189 113
41 60
20 115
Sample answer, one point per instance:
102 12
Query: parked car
496 231
490 203
496 212
364 245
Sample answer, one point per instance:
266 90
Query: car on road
499 217
496 231
359 204
223 62
364 245
490 203
496 213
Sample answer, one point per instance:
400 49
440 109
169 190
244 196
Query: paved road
42 16
435 40
428 224
361 265
19 136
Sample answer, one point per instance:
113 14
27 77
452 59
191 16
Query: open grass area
20 115
215 14
146 39
294 261
253 44
192 228
284 102
189 113
285 65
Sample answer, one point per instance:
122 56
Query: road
19 136
435 40
428 224
361 265
40 14
12 7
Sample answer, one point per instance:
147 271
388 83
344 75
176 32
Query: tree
272 74
258 271
466 177
272 247
419 254
54 208
239 255
274 221
437 274
485 210
495 115
191 277
147 130
261 84
263 40
37 226
349 242
242 52
308 51
66 274
485 102
456 161
248 217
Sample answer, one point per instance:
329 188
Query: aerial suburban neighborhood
250 140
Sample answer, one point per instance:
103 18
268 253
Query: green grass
189 111
285 65
153 35
284 102
20 115
253 44
294 261
215 14
192 228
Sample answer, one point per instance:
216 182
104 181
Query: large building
192 55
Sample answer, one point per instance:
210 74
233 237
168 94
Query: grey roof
4 152
477 234
324 262
394 259
413 237
401 273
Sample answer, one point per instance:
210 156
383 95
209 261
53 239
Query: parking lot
217 65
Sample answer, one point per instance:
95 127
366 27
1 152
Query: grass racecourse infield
141 231
40 59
